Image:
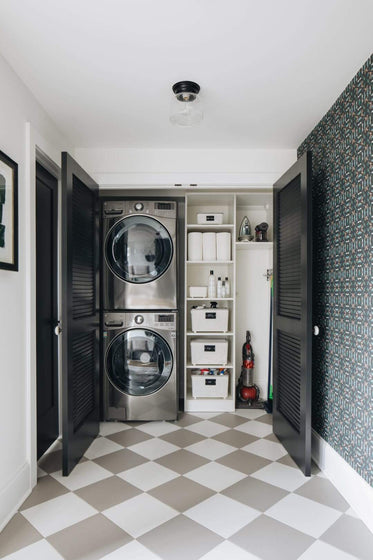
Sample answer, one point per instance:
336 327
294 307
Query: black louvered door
80 312
292 315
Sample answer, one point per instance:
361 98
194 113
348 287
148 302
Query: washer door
139 249
139 362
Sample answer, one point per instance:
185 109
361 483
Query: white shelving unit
249 297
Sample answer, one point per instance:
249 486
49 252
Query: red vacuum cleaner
247 391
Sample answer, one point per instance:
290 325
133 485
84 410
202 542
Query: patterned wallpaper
342 150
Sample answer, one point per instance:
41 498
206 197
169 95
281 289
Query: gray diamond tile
229 420
182 461
107 493
129 437
322 490
255 493
351 536
266 419
182 438
46 489
119 461
288 461
18 534
236 439
269 539
181 493
243 461
51 462
90 539
183 535
186 419
272 437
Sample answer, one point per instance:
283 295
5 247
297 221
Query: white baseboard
14 494
355 490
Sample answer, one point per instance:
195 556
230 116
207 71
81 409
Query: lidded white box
208 351
212 218
209 320
210 386
198 291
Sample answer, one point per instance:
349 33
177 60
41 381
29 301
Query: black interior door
80 312
292 318
46 309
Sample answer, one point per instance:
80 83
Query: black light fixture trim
186 87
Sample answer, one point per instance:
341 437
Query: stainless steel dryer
140 363
139 269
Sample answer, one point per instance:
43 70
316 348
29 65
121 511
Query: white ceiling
268 69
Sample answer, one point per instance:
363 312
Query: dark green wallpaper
342 151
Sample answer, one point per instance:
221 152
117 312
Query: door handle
316 330
57 330
113 323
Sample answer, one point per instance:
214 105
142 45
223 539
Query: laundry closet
211 325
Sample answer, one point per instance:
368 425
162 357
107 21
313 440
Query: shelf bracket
268 274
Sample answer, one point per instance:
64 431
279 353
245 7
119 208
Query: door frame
38 149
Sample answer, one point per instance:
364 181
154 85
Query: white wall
118 168
23 123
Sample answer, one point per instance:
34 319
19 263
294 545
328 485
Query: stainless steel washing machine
139 268
140 363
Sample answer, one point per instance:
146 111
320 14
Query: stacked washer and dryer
140 310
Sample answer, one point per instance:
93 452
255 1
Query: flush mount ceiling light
186 106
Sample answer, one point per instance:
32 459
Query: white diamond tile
229 551
255 428
40 550
211 449
282 476
82 475
157 429
153 448
215 476
222 515
109 428
101 446
140 514
267 449
320 551
58 513
305 515
131 551
148 476
207 428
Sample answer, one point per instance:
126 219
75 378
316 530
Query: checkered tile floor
210 486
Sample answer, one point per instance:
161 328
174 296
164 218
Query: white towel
195 246
209 246
223 242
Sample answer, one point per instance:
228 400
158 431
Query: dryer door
139 362
138 249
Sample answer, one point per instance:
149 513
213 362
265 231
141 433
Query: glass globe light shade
186 109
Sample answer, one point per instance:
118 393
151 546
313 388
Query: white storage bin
210 386
198 291
213 218
209 320
209 351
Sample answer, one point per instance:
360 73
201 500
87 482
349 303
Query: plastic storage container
209 351
209 320
198 291
213 218
210 386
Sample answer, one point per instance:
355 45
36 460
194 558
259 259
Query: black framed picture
8 213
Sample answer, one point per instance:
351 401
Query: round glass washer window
139 249
139 362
